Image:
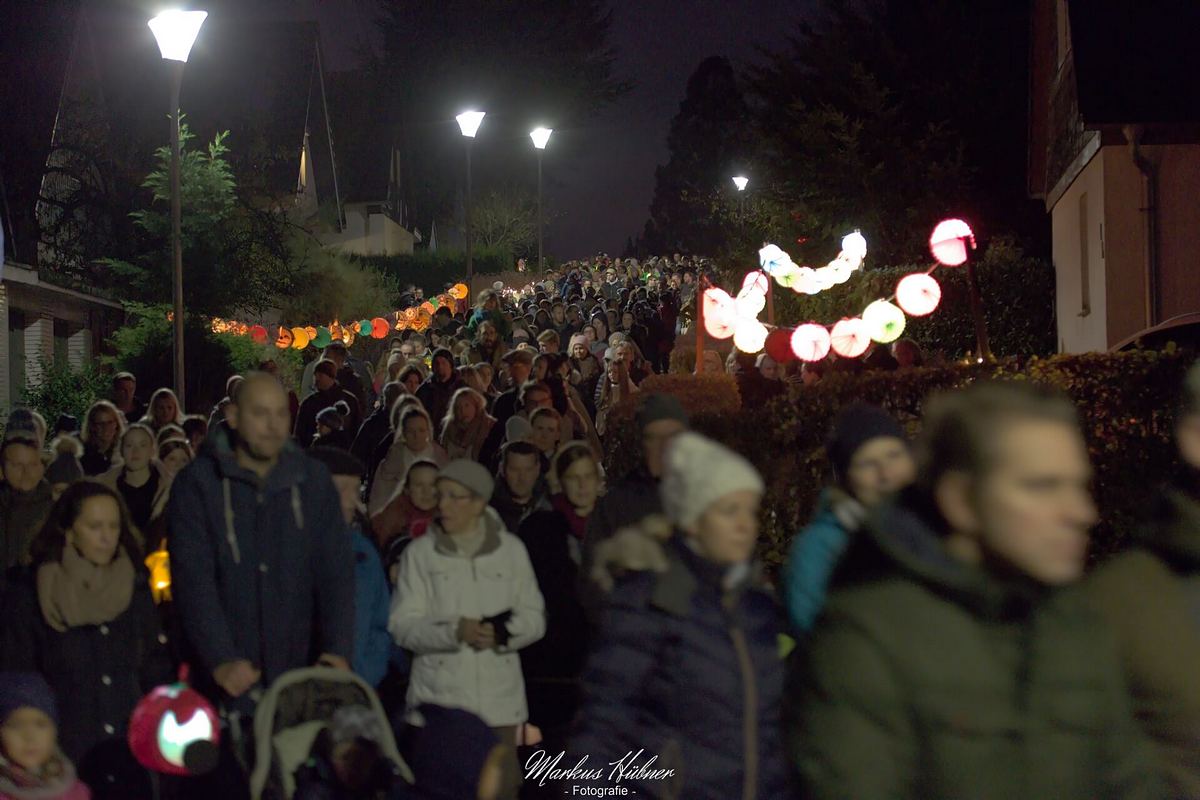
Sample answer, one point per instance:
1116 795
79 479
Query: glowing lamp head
750 335
176 31
918 294
540 137
469 122
850 337
811 342
950 241
884 321
741 181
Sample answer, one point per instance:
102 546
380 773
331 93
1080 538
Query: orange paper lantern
379 328
284 340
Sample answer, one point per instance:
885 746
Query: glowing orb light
811 342
850 338
258 334
757 280
884 321
950 241
854 246
918 294
300 338
379 328
750 302
323 338
750 335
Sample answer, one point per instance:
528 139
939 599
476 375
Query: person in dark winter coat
1150 596
32 766
372 598
328 393
25 498
331 428
520 490
954 658
456 756
438 390
554 539
260 565
102 429
378 425
82 616
871 460
685 672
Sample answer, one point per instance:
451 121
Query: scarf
57 776
75 592
466 442
563 506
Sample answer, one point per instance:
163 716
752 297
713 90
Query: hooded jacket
437 587
815 553
315 403
260 568
372 602
930 678
686 668
21 517
1150 596
436 395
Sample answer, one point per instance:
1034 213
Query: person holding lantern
82 616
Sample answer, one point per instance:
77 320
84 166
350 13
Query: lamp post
540 137
468 123
741 182
175 32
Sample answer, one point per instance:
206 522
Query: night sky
606 197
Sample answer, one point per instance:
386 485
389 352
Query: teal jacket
814 555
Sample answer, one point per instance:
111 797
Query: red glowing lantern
779 346
850 338
258 334
174 730
811 342
379 328
918 294
950 241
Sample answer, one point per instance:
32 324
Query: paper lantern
401 323
720 326
854 247
950 241
379 328
850 338
428 307
918 294
460 291
750 302
335 330
810 342
300 338
323 338
159 564
284 340
348 336
884 321
174 730
411 313
259 334
773 259
364 327
757 280
750 335
788 277
779 346
311 331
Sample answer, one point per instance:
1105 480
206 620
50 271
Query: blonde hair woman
467 425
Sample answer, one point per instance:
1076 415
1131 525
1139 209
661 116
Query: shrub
58 389
1126 405
434 271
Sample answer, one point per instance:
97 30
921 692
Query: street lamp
468 123
740 181
540 137
175 32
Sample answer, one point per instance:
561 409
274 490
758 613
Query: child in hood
65 468
348 763
31 765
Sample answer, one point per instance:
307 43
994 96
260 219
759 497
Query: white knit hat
697 472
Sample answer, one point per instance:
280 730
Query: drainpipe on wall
1133 134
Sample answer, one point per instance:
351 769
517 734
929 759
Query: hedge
433 271
1018 300
1126 404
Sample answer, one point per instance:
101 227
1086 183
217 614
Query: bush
62 390
434 271
1018 301
144 347
1126 405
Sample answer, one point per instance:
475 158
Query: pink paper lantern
757 280
811 342
849 337
918 294
950 241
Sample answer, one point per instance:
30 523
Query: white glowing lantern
757 280
918 294
750 335
772 259
469 122
811 342
850 337
950 241
176 32
750 302
174 738
720 313
806 281
540 136
854 245
884 321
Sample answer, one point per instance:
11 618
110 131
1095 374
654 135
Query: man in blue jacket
871 461
263 573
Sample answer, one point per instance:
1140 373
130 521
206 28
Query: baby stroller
290 716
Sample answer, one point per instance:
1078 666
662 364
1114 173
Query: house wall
1077 223
1124 230
370 235
1179 228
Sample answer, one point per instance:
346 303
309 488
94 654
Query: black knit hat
338 461
335 416
659 407
856 425
26 690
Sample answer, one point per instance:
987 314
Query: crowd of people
440 525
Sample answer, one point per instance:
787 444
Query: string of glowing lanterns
883 321
417 317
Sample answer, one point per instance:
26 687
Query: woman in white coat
466 602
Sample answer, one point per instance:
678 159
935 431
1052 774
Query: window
1085 268
62 338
